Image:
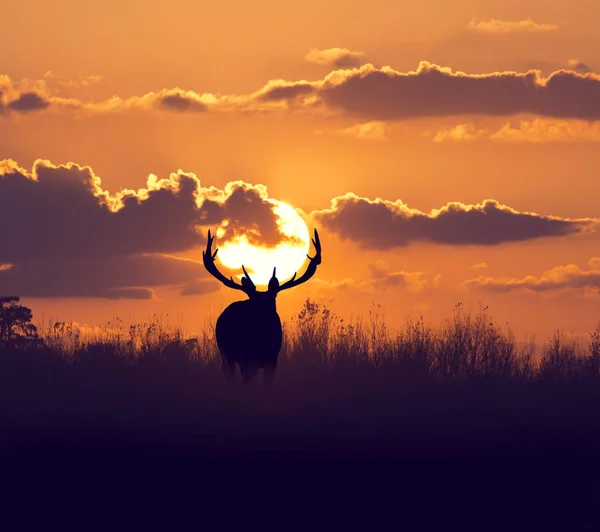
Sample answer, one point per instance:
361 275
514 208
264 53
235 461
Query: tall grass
467 345
155 337
464 346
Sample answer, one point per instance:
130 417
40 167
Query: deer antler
208 258
312 267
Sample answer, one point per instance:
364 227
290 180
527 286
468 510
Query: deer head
247 286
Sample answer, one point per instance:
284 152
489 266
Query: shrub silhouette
16 329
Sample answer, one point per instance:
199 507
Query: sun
287 257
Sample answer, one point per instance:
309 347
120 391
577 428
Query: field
366 425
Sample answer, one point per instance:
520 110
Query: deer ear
248 284
274 283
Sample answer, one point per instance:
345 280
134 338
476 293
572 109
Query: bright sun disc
287 257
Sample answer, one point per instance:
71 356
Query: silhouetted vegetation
464 347
16 329
458 406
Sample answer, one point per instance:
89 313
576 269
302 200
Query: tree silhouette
15 323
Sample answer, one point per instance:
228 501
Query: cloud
459 133
276 95
594 262
180 101
570 276
479 266
506 26
548 66
383 278
544 130
538 130
578 66
335 57
81 81
384 225
117 277
170 100
69 236
244 209
27 95
374 130
377 94
28 101
386 94
283 90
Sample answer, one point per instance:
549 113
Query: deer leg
248 372
228 368
269 374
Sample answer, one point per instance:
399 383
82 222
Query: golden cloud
538 130
507 26
559 278
335 57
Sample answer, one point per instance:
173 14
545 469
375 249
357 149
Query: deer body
249 332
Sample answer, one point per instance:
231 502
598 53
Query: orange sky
282 94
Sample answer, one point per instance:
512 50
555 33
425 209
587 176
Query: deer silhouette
249 332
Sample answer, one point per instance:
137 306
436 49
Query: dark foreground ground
111 478
174 445
95 483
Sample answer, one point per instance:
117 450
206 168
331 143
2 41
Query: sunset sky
446 152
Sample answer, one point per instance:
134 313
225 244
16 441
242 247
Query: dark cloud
181 102
579 66
384 225
570 276
244 213
385 94
130 277
62 210
28 101
347 61
58 219
79 218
